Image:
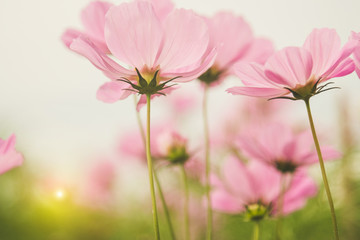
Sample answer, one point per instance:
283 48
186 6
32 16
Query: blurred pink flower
9 157
93 19
182 101
298 70
99 183
277 145
356 54
132 143
160 46
255 186
254 111
234 43
165 142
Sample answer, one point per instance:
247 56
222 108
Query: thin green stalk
138 118
158 185
280 206
166 209
323 171
186 203
207 166
150 168
256 232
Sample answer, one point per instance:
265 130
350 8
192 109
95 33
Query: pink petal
301 188
266 181
7 145
69 35
162 8
324 46
258 91
274 138
231 41
93 19
253 75
86 48
357 60
328 153
356 53
223 201
185 40
133 33
260 50
344 68
113 91
302 146
238 180
192 72
289 66
252 147
9 158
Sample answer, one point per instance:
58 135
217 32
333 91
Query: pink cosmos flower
158 48
93 19
9 157
298 70
255 188
234 43
277 145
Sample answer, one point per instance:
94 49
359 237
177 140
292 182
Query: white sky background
47 93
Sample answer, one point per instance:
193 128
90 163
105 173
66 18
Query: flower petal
93 19
133 33
239 180
231 41
330 60
69 35
328 153
223 201
113 91
260 50
162 8
192 72
324 45
186 38
301 188
357 60
86 48
344 68
289 66
258 91
9 158
253 75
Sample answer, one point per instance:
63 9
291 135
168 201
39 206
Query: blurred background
70 140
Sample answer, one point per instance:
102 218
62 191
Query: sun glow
59 194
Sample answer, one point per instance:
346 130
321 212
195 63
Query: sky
47 93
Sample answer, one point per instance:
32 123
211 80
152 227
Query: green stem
138 118
166 209
256 232
280 207
186 203
323 171
150 168
207 165
157 182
